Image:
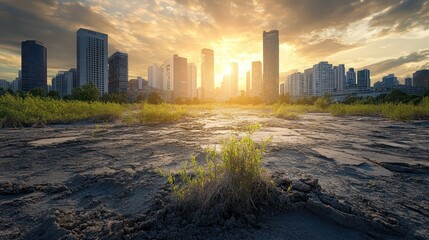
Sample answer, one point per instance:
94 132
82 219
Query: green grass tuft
232 181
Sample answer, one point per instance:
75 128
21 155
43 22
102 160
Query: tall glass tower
271 65
34 65
92 57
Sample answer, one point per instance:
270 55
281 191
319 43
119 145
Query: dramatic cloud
391 64
153 30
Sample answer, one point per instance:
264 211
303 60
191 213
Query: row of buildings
324 78
179 78
93 67
174 78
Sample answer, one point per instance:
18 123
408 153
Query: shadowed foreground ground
91 181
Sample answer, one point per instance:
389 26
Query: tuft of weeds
231 181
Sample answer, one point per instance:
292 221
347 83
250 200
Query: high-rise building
4 84
63 82
154 76
92 59
294 84
207 74
308 82
75 81
34 65
363 79
323 78
271 65
192 80
409 82
351 78
247 83
257 78
225 88
175 74
233 80
421 79
282 88
339 77
118 73
390 81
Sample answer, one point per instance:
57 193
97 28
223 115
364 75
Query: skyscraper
294 84
351 78
247 83
34 65
408 82
154 76
175 74
118 73
192 80
63 82
363 79
207 74
271 65
339 77
257 78
421 79
308 82
323 78
233 80
92 59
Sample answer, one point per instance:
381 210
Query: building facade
154 76
257 79
339 77
192 80
118 73
308 82
34 65
92 59
233 80
271 65
323 79
351 78
294 84
63 82
207 74
421 79
363 79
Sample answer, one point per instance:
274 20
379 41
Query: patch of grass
393 111
159 113
232 181
28 111
293 112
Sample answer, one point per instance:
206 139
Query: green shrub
236 183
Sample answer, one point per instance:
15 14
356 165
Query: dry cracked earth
352 177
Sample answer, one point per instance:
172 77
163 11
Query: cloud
389 64
153 30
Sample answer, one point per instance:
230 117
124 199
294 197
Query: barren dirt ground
87 180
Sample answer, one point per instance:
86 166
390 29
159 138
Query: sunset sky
386 36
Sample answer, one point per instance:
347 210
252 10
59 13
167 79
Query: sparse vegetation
151 113
235 181
17 111
393 111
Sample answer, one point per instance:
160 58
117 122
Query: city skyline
383 36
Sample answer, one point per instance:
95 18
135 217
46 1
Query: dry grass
232 182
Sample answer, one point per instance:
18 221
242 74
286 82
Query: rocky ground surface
351 178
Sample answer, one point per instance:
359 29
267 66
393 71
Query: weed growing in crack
232 180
